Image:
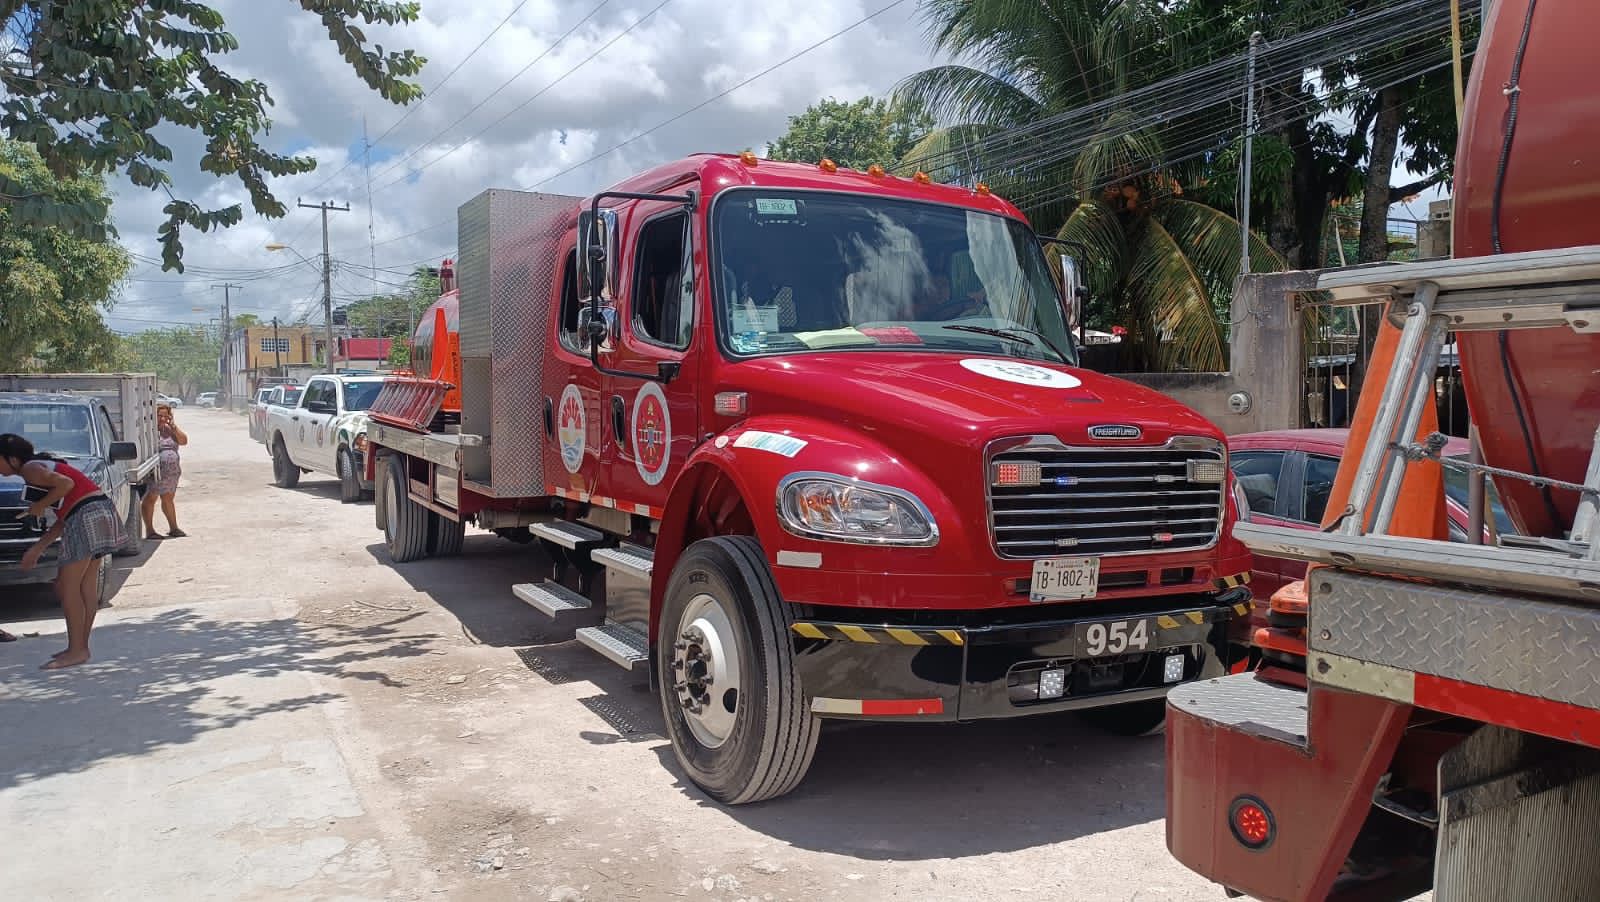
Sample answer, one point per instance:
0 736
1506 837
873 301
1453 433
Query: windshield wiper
1013 332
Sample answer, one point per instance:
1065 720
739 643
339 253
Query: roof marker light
828 166
749 158
922 178
983 189
875 171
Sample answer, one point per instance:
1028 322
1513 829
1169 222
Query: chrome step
622 645
567 535
552 599
631 560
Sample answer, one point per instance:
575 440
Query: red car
1287 475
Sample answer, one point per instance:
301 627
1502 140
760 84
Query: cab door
574 428
653 424
317 410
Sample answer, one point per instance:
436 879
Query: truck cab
325 432
815 443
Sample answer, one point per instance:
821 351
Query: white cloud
684 53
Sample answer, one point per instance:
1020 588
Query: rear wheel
445 535
284 473
103 578
405 528
132 527
732 702
1145 718
349 480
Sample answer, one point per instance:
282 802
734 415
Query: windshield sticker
785 445
571 428
1021 373
832 338
777 206
750 318
748 342
892 335
651 434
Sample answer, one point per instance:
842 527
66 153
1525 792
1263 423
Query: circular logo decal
1021 373
319 435
571 427
652 434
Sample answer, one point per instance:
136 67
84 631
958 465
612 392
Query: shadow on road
476 588
162 680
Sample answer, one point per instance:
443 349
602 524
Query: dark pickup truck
81 430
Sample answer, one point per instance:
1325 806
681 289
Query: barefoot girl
88 526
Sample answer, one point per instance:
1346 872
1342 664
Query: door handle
296 419
549 418
618 417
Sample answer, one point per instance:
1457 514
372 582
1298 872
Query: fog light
1052 683
1013 474
1251 822
1172 669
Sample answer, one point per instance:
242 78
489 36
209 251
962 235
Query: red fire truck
1428 713
807 442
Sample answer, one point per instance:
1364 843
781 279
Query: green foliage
854 135
184 358
92 82
1160 263
54 282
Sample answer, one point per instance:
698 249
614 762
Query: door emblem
651 433
571 428
1119 432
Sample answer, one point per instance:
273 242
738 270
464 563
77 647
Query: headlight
840 509
1241 503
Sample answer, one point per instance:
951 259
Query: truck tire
103 582
724 659
1146 718
349 480
445 535
285 475
380 513
133 527
405 528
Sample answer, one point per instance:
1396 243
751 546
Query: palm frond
947 154
1118 149
1095 226
1210 238
1174 303
964 95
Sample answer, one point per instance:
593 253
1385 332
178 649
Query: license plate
1065 579
1103 638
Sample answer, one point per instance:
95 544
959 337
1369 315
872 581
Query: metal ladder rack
1537 289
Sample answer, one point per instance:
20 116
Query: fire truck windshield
805 271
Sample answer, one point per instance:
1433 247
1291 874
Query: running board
622 645
629 560
568 535
1247 704
555 601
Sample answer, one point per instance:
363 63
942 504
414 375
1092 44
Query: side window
570 304
1258 473
663 285
318 393
1320 472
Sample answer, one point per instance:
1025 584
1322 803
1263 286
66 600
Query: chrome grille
1105 500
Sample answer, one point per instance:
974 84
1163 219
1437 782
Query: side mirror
1072 292
597 254
598 331
124 451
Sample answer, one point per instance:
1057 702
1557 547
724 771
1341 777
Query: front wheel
349 480
284 473
1145 718
132 528
724 659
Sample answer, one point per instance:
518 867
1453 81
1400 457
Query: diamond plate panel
1515 643
508 271
1247 704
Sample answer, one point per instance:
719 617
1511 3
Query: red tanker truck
812 443
1428 714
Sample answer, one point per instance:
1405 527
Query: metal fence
1338 350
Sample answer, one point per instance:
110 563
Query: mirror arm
665 372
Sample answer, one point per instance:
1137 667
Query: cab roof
719 172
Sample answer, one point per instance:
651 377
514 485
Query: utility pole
372 238
1249 142
327 273
227 341
277 352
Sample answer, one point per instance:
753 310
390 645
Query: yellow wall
297 346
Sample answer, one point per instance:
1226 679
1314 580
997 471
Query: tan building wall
295 346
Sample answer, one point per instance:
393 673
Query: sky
601 73
562 96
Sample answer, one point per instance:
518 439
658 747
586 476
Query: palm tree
1158 263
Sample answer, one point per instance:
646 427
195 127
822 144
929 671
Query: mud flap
1518 816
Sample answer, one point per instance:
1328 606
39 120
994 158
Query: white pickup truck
326 432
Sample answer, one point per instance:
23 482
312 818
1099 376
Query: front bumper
13 575
955 671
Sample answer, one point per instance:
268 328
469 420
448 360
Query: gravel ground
276 711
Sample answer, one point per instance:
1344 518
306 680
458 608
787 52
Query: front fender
754 456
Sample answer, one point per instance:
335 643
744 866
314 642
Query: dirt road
274 711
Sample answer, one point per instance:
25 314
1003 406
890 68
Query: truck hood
909 399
